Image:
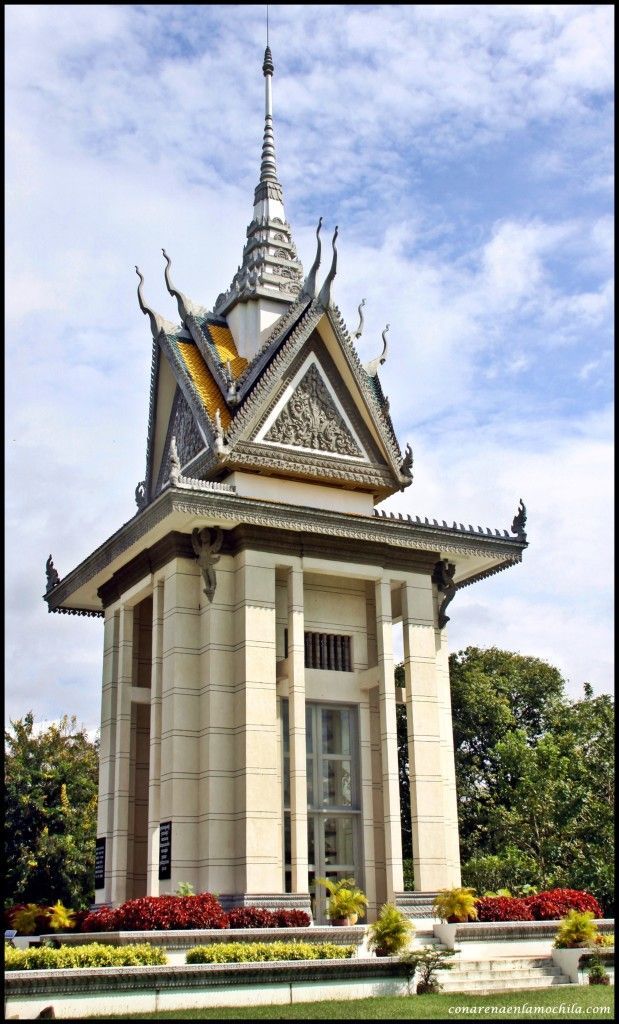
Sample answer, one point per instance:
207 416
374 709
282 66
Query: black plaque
100 864
165 850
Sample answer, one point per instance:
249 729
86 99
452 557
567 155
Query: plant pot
344 922
381 951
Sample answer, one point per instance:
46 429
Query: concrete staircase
501 974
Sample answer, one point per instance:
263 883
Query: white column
259 795
122 773
389 740
367 803
107 747
154 774
180 718
450 798
424 736
296 727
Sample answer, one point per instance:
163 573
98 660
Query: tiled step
503 975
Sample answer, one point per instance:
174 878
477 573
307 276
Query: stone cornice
196 976
221 507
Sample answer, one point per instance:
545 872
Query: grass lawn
592 1001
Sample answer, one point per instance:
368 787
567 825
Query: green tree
534 774
51 813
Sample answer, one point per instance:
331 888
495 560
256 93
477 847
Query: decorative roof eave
185 383
380 413
152 412
211 502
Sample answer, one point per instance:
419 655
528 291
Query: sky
464 151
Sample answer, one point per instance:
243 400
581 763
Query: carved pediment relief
189 440
311 419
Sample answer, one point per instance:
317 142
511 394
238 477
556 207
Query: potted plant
455 905
577 931
426 962
598 975
346 902
391 932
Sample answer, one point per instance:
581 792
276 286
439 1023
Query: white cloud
140 127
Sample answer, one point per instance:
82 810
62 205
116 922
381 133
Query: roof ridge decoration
270 267
309 285
158 323
51 573
372 367
519 522
186 307
324 297
359 330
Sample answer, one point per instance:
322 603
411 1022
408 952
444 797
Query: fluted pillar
296 726
122 762
423 714
154 775
389 740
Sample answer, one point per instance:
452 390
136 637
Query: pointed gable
311 417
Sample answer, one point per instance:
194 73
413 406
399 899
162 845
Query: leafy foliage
255 952
535 777
542 906
153 913
345 900
457 904
577 929
256 917
598 975
425 963
502 908
391 932
95 954
51 782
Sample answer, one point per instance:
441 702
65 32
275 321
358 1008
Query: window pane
310 781
285 730
309 734
336 783
287 841
286 781
339 841
335 731
311 851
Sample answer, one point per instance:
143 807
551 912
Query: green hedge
95 954
254 952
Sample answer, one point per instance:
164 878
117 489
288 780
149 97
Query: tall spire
271 271
268 169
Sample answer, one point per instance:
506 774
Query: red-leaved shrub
292 919
557 903
251 917
256 917
544 906
503 908
102 920
158 913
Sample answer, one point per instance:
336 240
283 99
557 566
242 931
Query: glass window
336 782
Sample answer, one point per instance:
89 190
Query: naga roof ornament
324 297
359 330
158 323
372 367
309 285
186 307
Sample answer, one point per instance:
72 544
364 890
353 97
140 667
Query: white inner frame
285 398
